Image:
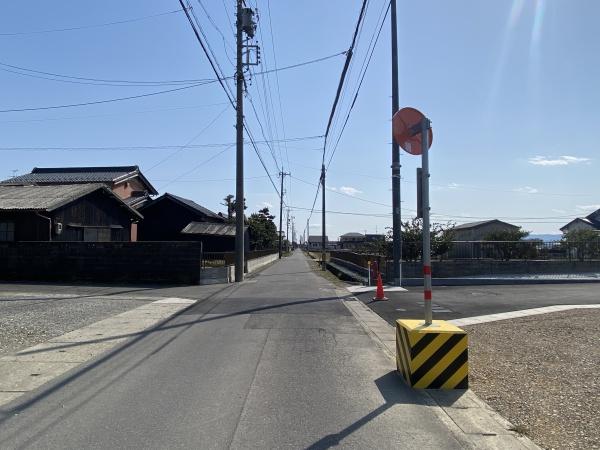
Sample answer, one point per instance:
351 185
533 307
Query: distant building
127 182
315 242
352 241
89 212
355 241
477 231
464 234
590 222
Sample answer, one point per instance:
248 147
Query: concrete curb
473 423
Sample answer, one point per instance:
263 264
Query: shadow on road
394 392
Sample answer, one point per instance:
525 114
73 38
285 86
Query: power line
362 74
83 27
193 169
150 147
226 43
199 83
183 147
211 180
343 74
342 193
98 102
93 81
221 74
206 53
263 132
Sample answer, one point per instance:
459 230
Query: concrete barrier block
432 357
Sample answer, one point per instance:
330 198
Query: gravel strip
26 321
541 373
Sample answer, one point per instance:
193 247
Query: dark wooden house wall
164 220
96 209
28 225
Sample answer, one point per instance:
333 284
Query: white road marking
518 314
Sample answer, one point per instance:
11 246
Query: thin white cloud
266 205
453 185
559 211
527 190
588 207
349 190
565 160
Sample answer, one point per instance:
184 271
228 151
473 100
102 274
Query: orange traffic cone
379 295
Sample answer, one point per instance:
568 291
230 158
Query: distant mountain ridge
544 237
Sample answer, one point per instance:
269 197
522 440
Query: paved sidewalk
275 362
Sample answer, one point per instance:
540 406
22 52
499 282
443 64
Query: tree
509 244
441 236
230 203
262 230
582 244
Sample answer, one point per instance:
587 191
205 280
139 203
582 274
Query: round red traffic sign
402 122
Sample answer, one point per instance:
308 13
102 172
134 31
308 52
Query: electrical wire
183 147
98 102
206 53
193 169
148 147
362 74
118 22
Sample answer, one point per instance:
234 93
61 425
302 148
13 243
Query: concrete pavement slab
27 375
58 352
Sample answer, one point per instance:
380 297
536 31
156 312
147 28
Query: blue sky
510 86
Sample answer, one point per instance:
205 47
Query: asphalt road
455 302
275 362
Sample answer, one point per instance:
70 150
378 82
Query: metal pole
239 176
323 265
396 200
281 174
426 234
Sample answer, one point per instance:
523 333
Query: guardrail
485 250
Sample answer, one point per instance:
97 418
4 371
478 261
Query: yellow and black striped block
433 357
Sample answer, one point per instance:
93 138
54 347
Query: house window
7 231
96 234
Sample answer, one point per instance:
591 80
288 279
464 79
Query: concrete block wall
252 265
129 262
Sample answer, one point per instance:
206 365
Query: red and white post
425 125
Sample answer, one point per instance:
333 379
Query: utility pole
287 229
282 175
244 25
323 245
307 234
396 199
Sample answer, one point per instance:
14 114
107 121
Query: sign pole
425 125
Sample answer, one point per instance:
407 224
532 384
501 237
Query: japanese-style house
127 182
174 218
74 212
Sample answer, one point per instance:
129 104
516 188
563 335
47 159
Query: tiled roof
48 198
66 175
187 203
209 228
